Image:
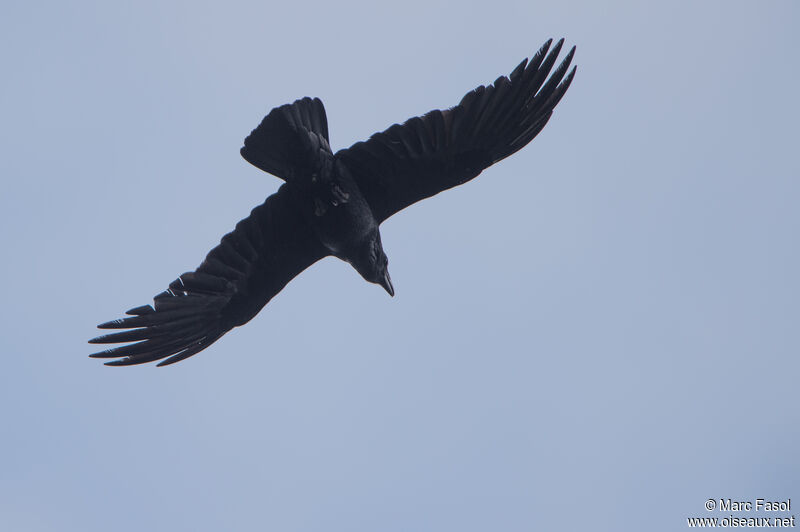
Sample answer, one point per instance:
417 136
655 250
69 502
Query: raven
333 204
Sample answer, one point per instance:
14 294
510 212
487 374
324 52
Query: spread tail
290 139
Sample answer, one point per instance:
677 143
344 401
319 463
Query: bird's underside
332 204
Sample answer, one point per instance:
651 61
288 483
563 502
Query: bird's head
371 262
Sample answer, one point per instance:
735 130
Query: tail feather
289 139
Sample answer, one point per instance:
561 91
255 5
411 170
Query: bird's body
339 213
334 203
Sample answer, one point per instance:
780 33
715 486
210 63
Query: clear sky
599 333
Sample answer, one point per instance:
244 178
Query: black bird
333 204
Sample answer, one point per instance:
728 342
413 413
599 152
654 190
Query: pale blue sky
599 333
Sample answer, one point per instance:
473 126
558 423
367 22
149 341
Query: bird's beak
386 283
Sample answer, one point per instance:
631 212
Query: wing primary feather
202 344
149 346
140 311
555 78
528 135
517 72
125 336
561 90
174 328
542 71
536 61
147 320
150 356
523 84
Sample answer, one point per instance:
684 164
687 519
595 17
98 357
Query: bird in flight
333 204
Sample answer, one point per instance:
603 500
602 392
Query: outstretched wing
289 139
442 149
254 262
